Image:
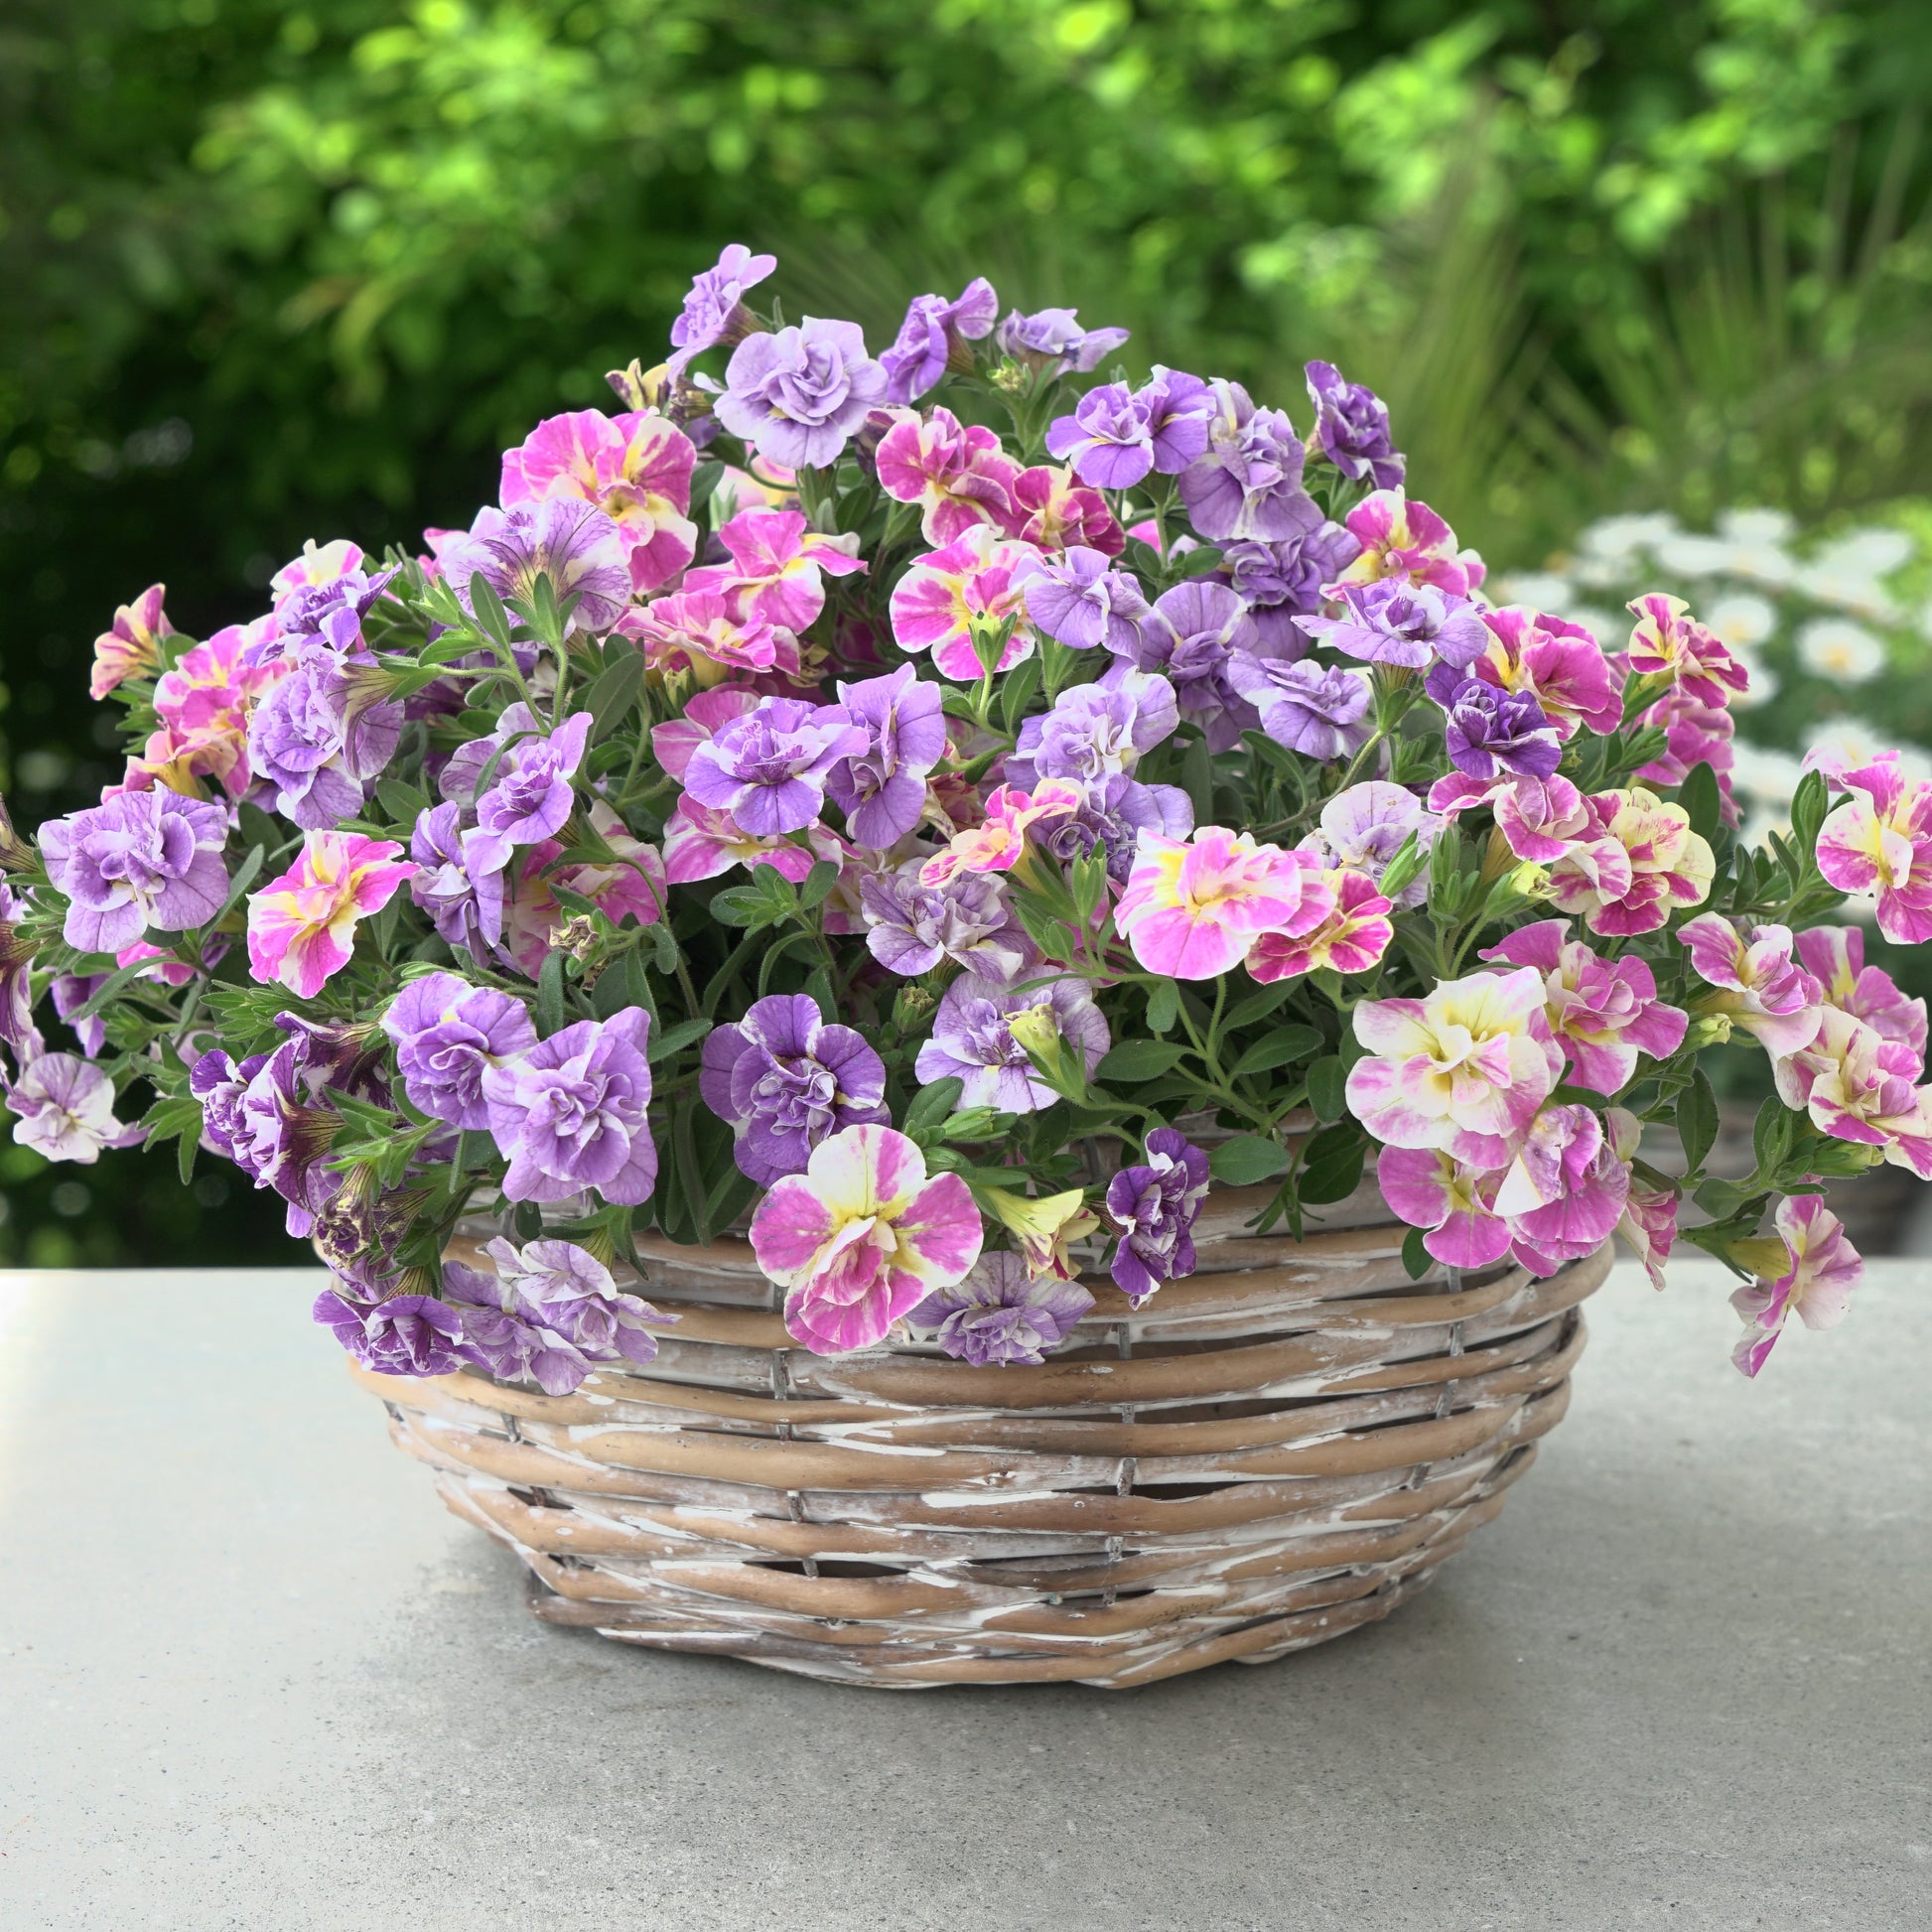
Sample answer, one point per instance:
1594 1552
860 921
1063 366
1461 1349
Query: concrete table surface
252 1676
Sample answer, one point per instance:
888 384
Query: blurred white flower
1873 551
1691 555
1755 527
1841 650
1856 590
1620 539
1611 629
1540 589
1743 620
1765 775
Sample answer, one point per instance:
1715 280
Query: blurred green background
271 272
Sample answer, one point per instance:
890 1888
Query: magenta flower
699 631
972 588
769 768
573 543
1649 1222
65 1109
1054 512
1400 538
1351 939
1054 342
912 926
777 568
302 923
1668 640
1879 841
1816 1287
702 841
1565 1192
862 1237
1541 819
1631 865
1246 485
1194 910
1351 428
1314 709
714 311
530 796
203 701
131 646
958 474
973 1041
448 1033
799 395
318 740
931 340
1694 733
785 1080
1078 600
1394 621
1464 1070
1858 1086
1451 1202
1557 663
1835 956
1155 1203
882 789
1602 1013
572 1112
1001 1313
140 859
1764 990
635 468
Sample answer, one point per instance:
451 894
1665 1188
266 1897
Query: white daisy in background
1838 649
1875 550
1538 590
1743 621
1765 782
1848 743
1612 548
1756 526
1691 555
1611 629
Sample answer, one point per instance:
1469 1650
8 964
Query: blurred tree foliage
270 272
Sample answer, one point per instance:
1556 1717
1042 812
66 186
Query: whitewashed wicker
1275 1451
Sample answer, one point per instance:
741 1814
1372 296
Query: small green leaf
1140 1059
933 1103
1697 1120
405 803
1332 1167
737 905
550 995
1327 1087
1281 1047
1198 779
1247 1159
1163 1006
1258 1006
1015 692
675 1038
818 885
612 693
1416 1259
1809 805
1700 797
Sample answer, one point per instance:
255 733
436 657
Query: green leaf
739 905
1247 1159
1198 779
1416 1259
1773 1134
818 885
405 803
1015 692
1331 1167
933 1103
488 607
1258 1006
244 876
674 1040
1163 1006
1140 1059
550 995
704 480
1809 805
1700 797
1327 1087
1697 1120
612 693
1283 1047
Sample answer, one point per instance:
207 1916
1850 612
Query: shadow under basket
1275 1451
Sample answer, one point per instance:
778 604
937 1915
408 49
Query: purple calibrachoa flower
65 1109
1111 818
785 1079
769 769
882 789
530 796
929 339
1079 600
580 549
407 1334
1116 436
1096 730
800 394
1000 1314
572 1112
1364 827
464 898
971 1039
912 926
319 742
1351 428
1488 731
265 1117
1394 621
1155 1204
332 611
1309 708
1280 582
714 311
1052 341
140 859
566 1291
448 1033
1247 482
502 1335
1189 637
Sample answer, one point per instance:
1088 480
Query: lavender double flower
1096 730
769 768
318 740
785 1079
912 926
464 898
1110 819
1351 428
1080 600
571 543
1394 621
406 1334
529 795
1116 436
1487 731
930 339
448 1033
140 859
1247 482
1052 341
799 395
971 1039
1000 1315
1280 582
1309 708
1190 636
882 789
714 308
1155 1204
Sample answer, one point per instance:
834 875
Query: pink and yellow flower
630 885
302 925
1351 939
1881 842
1761 988
702 841
1649 1220
319 564
957 474
1055 510
1540 818
1557 663
1464 1070
1835 956
1564 1192
635 468
1603 1013
777 568
862 1237
706 714
1858 1086
999 842
1816 1287
1045 1229
971 587
1194 908
131 648
204 703
697 633
1452 1203
1667 639
1635 860
1403 539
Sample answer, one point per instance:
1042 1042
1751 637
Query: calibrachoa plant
946 810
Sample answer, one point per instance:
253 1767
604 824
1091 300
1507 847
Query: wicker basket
1273 1452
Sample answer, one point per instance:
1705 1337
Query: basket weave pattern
1277 1450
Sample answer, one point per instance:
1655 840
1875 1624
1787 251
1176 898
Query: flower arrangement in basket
954 814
